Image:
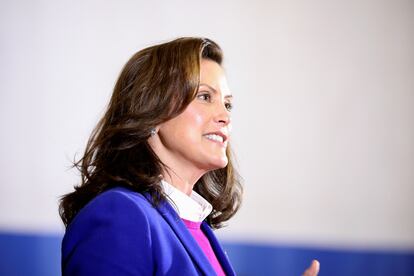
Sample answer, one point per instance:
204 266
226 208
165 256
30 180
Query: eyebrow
214 90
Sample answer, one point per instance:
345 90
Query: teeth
214 137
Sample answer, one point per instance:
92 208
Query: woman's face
198 137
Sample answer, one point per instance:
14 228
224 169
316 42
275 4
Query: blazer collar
189 243
220 253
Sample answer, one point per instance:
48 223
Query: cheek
193 130
196 118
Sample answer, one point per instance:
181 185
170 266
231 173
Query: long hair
155 85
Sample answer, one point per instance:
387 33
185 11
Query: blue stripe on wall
255 259
39 255
29 254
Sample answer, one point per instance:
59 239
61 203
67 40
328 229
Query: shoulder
116 196
116 204
110 227
115 199
117 211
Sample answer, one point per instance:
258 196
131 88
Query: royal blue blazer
120 233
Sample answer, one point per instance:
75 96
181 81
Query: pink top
200 237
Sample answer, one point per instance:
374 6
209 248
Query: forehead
213 75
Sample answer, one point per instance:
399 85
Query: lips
216 136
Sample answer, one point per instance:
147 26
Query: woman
157 174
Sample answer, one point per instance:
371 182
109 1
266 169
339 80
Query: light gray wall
323 122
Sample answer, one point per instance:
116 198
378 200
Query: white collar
193 208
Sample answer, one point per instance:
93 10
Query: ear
154 140
154 131
153 136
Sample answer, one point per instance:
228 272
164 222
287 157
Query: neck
179 172
183 180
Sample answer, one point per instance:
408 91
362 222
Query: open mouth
215 137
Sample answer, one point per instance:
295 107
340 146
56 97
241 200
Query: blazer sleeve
109 236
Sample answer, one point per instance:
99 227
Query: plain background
323 117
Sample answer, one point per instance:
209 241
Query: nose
222 115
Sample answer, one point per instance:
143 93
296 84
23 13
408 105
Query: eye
204 96
229 106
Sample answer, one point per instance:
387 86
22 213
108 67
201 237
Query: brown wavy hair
155 85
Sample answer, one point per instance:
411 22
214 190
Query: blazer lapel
190 244
218 250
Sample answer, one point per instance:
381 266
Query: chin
219 163
211 162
